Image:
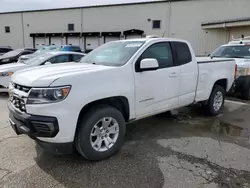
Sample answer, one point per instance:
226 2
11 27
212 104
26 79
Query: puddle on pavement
223 128
214 125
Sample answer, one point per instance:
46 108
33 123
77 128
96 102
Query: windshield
38 59
12 53
113 53
46 49
232 52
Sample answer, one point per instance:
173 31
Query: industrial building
205 23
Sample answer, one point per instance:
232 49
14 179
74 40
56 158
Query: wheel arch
119 102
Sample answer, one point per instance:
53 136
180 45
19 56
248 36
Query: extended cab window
182 52
161 52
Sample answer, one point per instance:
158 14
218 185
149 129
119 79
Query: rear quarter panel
210 71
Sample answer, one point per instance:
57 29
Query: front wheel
100 133
216 100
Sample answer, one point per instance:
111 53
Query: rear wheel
216 100
100 133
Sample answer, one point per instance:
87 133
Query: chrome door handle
173 74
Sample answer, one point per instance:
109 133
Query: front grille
21 88
18 103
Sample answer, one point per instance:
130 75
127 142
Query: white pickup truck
86 105
239 50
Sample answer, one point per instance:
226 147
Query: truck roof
149 39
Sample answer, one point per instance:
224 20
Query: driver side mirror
47 63
148 64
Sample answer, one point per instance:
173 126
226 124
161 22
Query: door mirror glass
149 64
47 63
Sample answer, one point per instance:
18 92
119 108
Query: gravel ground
187 149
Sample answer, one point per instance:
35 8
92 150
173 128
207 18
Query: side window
76 58
183 54
61 59
51 60
161 52
4 50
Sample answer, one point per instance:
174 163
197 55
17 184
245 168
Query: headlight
5 60
47 95
242 71
3 74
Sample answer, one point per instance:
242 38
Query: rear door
157 90
188 72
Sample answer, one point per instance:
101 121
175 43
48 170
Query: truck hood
44 76
242 62
11 67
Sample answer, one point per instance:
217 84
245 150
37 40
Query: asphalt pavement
187 149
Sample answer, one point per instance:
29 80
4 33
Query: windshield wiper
235 57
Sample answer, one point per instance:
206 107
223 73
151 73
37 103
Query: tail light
235 71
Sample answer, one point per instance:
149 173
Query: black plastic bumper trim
242 83
23 123
57 148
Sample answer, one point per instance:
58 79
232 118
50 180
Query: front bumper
38 126
242 84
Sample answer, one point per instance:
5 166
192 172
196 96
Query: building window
7 29
156 24
71 27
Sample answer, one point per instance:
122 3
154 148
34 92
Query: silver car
45 59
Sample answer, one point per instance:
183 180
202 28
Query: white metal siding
180 19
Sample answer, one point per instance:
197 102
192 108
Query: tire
246 93
212 109
94 123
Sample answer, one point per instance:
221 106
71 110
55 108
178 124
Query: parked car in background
4 49
85 105
239 50
71 48
6 71
40 51
86 51
31 49
13 56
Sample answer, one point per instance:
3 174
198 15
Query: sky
20 5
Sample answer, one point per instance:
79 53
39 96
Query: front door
157 90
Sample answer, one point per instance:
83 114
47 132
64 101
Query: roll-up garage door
133 36
109 39
39 42
92 42
74 41
57 41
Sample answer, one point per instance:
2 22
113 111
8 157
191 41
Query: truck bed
211 70
209 60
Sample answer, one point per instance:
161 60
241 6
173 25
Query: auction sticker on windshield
133 45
